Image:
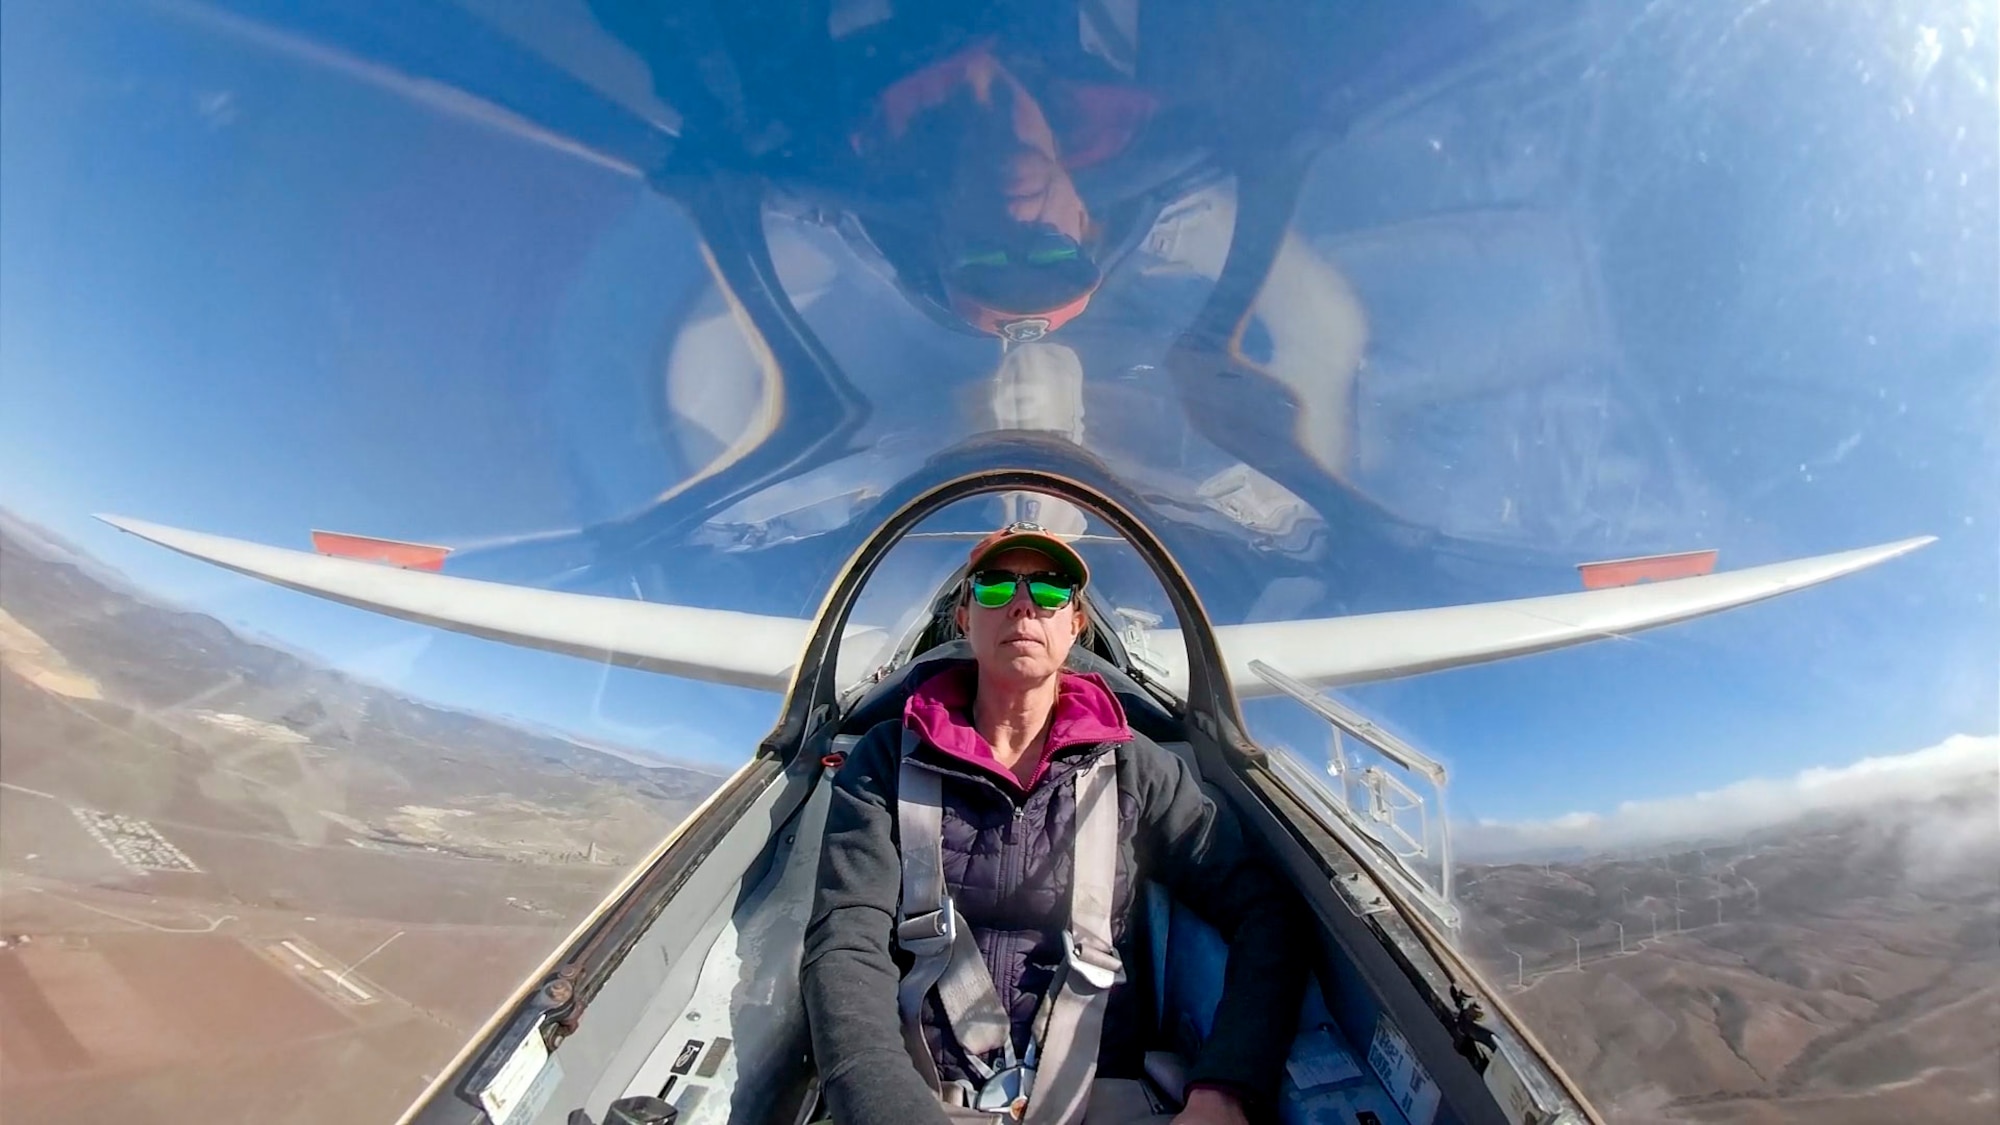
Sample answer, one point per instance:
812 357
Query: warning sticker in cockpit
711 1064
514 1084
1408 1083
1319 1060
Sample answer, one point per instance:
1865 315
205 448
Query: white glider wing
719 646
754 650
1333 651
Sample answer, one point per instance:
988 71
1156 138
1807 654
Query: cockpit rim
814 693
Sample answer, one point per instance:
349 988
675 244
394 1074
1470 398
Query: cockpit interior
683 1002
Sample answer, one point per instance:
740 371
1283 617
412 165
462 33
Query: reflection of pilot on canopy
982 861
1000 175
1010 168
1006 238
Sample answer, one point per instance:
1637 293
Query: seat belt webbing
1068 1054
924 922
946 957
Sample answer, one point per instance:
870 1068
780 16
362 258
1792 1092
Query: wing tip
1862 558
172 538
126 524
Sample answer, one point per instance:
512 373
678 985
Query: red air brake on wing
1646 568
393 552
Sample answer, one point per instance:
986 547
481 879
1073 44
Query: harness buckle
929 934
1098 968
1007 1092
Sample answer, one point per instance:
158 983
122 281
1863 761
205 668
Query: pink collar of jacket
940 711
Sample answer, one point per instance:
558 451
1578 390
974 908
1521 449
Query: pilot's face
1020 641
1009 165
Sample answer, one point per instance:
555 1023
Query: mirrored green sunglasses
1039 256
1048 590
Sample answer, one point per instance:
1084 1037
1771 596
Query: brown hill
1841 968
236 884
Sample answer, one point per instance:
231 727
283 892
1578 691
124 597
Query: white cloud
1960 764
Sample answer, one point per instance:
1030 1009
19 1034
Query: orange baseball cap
1034 537
1014 327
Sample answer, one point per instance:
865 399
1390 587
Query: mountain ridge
48 579
1841 966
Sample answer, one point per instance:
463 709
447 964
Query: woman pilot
965 957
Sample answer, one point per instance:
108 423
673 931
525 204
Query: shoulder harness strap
927 927
1063 1061
1075 1008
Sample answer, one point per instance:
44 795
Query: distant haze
1961 765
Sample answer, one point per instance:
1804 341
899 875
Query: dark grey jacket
1007 862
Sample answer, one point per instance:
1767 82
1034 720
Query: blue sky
249 295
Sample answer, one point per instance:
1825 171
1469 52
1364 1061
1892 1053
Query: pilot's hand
1207 1105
